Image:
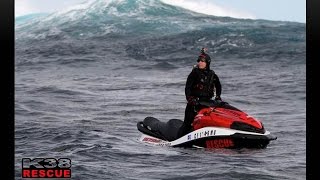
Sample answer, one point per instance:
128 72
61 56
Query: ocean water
85 76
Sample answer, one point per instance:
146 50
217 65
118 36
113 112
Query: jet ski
216 125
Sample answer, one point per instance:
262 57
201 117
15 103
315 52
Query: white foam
209 8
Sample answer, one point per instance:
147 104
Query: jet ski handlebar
212 103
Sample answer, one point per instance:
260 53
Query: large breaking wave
147 29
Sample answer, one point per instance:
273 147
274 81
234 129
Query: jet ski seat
164 130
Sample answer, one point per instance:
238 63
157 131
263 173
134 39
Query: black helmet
205 57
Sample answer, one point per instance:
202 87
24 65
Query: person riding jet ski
207 123
202 84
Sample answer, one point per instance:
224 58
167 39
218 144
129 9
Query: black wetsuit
200 84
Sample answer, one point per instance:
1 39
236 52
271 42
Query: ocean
86 75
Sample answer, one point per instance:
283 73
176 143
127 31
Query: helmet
204 56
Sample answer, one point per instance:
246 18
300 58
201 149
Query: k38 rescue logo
46 168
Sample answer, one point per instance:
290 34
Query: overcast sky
283 10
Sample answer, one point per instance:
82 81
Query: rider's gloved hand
192 100
218 98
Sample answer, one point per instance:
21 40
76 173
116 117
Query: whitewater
85 76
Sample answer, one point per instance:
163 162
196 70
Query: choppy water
85 77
